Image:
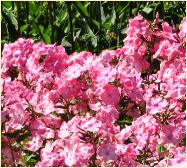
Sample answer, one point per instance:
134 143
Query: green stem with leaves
18 16
28 24
51 21
71 25
100 28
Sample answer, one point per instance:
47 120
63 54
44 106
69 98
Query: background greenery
78 26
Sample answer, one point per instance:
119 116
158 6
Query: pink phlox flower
109 95
73 71
18 117
108 114
124 133
156 105
107 152
90 124
179 158
35 143
182 33
104 75
167 135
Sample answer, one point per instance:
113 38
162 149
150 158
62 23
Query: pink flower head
138 26
106 152
18 117
107 56
167 135
64 131
129 163
182 27
156 105
124 133
177 90
70 154
109 95
80 58
103 75
7 158
108 130
179 158
38 127
73 71
34 143
166 50
52 121
108 114
90 124
85 151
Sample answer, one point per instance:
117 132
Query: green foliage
125 121
78 26
160 148
30 158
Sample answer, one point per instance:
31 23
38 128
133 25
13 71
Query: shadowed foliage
78 26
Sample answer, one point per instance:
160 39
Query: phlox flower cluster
124 107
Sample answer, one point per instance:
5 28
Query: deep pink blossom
109 95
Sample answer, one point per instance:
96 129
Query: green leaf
123 31
95 23
142 110
65 43
114 47
62 16
13 134
83 11
81 8
28 157
160 148
7 4
12 17
33 10
92 35
23 28
32 161
147 10
46 37
113 17
77 34
85 37
16 144
23 136
103 18
124 8
128 121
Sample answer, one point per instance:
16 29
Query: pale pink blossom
106 152
35 143
156 105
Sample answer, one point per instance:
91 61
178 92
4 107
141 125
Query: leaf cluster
79 26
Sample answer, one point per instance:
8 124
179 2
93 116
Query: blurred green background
78 26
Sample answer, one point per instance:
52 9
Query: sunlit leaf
160 148
147 10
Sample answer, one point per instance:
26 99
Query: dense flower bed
124 107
